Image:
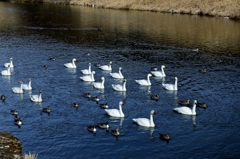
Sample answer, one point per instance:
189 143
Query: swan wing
183 110
113 112
143 82
157 73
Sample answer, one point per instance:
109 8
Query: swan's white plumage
88 78
72 64
9 63
117 75
87 71
99 85
187 110
27 86
118 87
116 112
145 82
146 122
107 67
159 73
36 98
6 72
18 89
171 87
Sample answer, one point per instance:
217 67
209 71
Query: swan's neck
73 63
120 73
110 67
175 85
21 86
92 76
124 86
40 96
148 79
120 110
103 83
29 84
163 73
89 68
194 109
151 120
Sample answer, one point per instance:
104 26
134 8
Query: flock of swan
88 76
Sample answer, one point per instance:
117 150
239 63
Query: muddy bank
221 8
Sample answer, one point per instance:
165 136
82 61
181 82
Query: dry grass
30 156
230 8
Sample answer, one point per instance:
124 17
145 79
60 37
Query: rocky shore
219 8
10 146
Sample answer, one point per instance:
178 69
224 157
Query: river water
135 41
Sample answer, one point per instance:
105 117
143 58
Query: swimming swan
116 112
27 86
87 71
18 89
9 63
118 87
99 85
107 67
6 72
159 73
171 87
71 65
117 75
88 78
36 98
144 82
146 122
187 110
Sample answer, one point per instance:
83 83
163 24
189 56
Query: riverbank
219 8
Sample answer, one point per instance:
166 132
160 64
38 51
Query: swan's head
93 72
125 80
176 78
74 59
121 103
29 79
89 64
8 66
102 78
149 75
153 112
195 102
40 91
110 62
163 66
20 82
120 68
11 58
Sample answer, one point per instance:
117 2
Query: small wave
75 29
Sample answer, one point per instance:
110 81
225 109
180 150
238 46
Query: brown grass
30 156
230 8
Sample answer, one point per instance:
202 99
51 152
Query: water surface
135 41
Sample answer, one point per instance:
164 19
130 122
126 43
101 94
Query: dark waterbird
185 102
92 129
202 105
87 95
104 105
3 98
76 105
155 97
47 110
103 125
165 137
18 122
14 112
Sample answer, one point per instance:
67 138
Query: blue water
31 34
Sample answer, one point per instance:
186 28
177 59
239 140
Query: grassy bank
223 8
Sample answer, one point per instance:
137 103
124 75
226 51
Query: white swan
27 86
9 63
18 89
146 122
6 72
36 98
159 73
71 65
99 85
117 75
88 78
118 87
87 71
107 67
171 87
116 112
144 82
187 110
